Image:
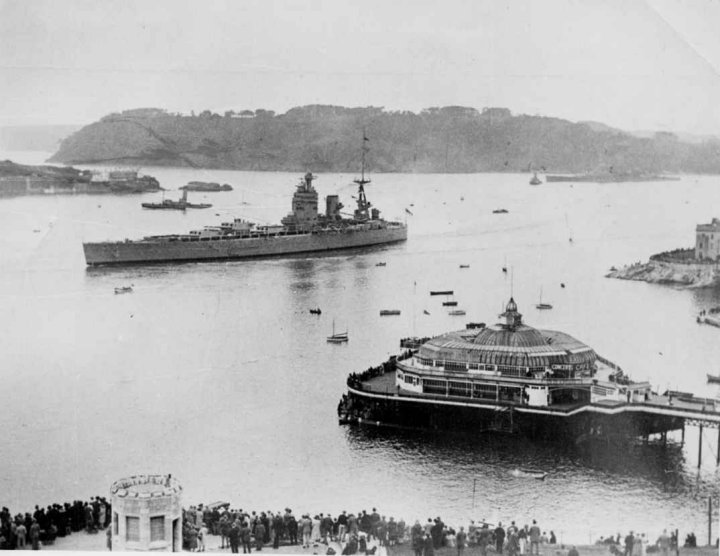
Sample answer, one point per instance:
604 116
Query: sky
632 64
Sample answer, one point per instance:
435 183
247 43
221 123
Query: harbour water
218 374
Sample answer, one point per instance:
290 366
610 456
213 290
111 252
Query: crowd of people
355 533
44 525
355 380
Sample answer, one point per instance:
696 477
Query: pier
658 414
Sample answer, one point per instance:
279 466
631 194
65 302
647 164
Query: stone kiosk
147 513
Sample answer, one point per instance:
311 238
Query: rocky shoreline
686 274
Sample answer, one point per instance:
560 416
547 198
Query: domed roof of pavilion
510 343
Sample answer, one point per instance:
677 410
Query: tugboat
304 230
181 204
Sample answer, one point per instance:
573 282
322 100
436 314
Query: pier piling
710 520
682 439
700 446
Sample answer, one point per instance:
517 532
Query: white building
147 514
707 240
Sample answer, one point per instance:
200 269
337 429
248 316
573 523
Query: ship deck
704 411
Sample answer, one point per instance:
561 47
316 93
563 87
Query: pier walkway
694 411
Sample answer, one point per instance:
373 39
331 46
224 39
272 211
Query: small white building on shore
147 514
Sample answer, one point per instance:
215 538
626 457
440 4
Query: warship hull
177 249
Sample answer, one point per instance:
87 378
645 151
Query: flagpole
473 500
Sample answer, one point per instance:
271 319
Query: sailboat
542 305
535 180
337 338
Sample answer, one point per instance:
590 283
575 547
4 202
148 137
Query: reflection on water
218 374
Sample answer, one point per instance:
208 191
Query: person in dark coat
292 527
428 546
278 526
245 534
89 523
499 538
629 542
437 533
259 535
418 543
234 536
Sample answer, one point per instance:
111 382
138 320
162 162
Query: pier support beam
700 447
710 520
682 439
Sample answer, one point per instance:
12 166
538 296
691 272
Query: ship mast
362 203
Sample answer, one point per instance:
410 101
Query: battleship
304 230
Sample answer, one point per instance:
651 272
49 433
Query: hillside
327 138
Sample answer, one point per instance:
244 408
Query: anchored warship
304 230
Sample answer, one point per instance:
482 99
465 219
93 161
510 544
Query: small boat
337 338
464 266
529 474
389 312
181 204
500 211
456 312
36 231
380 264
613 269
425 312
712 379
474 325
315 311
124 289
542 305
450 303
535 180
441 292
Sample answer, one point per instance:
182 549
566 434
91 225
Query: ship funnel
332 207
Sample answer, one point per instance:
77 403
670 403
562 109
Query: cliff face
661 272
328 138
